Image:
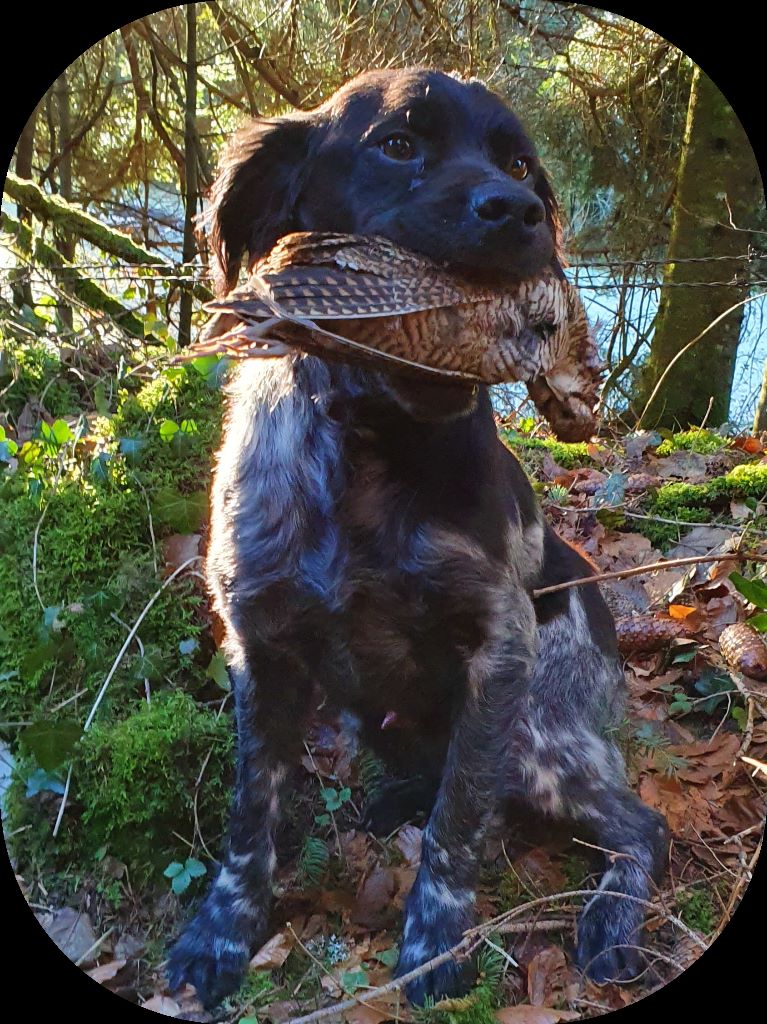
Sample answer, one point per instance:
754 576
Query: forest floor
694 734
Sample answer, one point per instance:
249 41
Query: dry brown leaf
534 1015
273 953
104 972
162 1004
546 976
751 445
681 611
179 548
282 1010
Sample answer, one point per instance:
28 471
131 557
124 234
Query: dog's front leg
441 904
271 699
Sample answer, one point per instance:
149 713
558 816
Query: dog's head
437 165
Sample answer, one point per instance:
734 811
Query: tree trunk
760 419
65 242
21 289
718 193
190 159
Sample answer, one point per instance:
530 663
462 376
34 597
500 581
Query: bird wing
336 277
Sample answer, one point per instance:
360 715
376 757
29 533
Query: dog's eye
398 147
519 169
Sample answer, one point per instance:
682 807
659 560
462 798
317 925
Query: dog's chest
420 595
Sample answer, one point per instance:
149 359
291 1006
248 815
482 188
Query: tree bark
21 289
189 250
760 419
718 194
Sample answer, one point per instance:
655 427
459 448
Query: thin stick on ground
639 570
476 936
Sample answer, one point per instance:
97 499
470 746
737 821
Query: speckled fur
372 539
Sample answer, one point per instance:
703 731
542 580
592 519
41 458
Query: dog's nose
497 205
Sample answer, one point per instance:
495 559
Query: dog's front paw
212 954
609 934
435 920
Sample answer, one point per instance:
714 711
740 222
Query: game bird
365 299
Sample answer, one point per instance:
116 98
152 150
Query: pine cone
366 299
645 634
744 650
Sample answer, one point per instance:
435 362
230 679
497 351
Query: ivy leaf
212 368
754 591
173 869
388 957
168 429
132 449
183 513
51 743
42 781
99 466
353 980
217 671
39 656
195 868
612 491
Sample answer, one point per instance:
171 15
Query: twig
758 766
92 949
748 732
475 936
640 570
121 654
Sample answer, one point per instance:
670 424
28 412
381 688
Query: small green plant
653 744
696 909
313 861
181 875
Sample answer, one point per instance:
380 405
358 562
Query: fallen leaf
273 953
104 972
751 445
546 976
162 1004
681 611
534 1015
179 548
684 465
72 932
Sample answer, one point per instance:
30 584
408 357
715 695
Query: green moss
135 780
696 909
694 440
748 480
700 503
36 369
564 454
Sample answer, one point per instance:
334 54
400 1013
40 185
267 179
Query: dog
371 536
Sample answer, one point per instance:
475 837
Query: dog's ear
545 193
253 197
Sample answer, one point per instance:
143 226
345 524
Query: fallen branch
474 937
640 570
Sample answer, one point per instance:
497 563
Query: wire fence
621 298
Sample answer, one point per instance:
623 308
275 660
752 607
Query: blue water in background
601 298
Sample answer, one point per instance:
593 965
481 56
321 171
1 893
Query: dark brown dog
370 533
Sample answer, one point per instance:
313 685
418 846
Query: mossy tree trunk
718 194
190 160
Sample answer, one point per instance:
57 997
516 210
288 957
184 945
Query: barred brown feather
361 298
